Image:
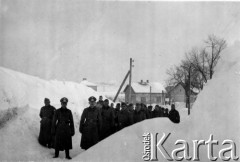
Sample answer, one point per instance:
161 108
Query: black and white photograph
119 81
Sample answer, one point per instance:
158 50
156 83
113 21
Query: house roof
156 87
170 88
87 83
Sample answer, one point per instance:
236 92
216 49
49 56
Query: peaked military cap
64 100
92 99
46 99
106 100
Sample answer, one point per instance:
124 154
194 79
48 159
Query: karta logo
152 147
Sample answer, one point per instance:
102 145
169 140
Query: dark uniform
161 112
150 113
100 101
174 115
138 116
90 125
46 115
63 128
107 120
165 112
156 112
124 118
116 111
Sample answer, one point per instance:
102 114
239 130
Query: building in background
177 94
145 92
89 84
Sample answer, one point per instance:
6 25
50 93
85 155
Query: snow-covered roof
87 83
156 87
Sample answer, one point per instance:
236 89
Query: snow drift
21 97
215 112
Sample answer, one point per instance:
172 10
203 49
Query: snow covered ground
216 112
21 97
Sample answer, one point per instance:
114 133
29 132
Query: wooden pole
124 80
189 95
150 95
130 82
163 98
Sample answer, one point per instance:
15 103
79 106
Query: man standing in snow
116 111
107 120
174 115
46 115
90 125
156 111
150 111
138 114
63 128
124 117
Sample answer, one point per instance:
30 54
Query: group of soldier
98 121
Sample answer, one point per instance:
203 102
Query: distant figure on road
90 125
174 115
63 128
46 115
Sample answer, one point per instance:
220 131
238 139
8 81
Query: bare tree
198 61
186 75
198 66
216 46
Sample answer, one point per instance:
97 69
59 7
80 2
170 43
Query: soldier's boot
67 154
56 153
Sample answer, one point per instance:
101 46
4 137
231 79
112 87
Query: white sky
72 39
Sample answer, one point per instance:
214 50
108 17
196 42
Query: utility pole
163 98
150 95
189 95
121 86
130 81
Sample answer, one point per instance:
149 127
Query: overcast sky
72 39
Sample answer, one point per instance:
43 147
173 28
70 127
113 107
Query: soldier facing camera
63 129
90 125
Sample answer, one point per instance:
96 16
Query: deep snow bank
18 89
21 97
215 112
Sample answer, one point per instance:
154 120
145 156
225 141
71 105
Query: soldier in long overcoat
46 115
107 120
90 125
63 128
